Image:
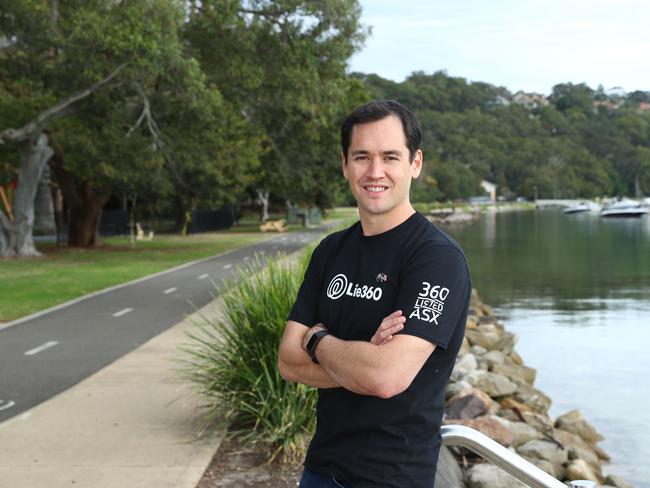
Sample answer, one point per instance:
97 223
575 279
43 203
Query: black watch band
313 342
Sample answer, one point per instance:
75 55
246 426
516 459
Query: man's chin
373 209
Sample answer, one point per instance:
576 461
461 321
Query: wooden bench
140 235
274 226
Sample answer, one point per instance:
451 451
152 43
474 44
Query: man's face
379 170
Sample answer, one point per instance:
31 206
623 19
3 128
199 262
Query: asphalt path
49 353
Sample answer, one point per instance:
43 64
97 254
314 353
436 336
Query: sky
528 45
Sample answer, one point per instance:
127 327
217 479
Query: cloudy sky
520 44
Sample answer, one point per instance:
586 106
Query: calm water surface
576 290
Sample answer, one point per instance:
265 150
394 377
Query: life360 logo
340 286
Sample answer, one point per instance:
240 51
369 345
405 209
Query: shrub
233 362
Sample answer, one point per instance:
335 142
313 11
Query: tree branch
30 129
54 16
157 136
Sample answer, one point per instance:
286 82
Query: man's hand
310 332
389 326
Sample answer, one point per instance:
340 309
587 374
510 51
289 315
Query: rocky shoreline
491 390
452 215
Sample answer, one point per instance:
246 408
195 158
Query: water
576 290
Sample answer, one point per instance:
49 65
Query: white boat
579 208
625 208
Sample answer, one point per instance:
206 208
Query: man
379 318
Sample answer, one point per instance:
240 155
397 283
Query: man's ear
417 163
344 165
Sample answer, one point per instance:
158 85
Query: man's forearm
301 369
352 364
369 369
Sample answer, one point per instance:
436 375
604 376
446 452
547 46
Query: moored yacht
579 208
625 208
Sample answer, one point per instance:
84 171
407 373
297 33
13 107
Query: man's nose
376 169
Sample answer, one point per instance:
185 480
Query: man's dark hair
377 110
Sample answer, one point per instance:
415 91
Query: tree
30 34
282 63
43 61
155 116
566 96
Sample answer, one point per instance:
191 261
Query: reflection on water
576 290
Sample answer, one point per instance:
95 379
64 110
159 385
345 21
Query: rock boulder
493 384
490 476
579 469
575 423
489 426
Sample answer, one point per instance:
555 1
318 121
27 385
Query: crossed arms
383 367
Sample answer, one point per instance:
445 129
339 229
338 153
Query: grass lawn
350 214
62 274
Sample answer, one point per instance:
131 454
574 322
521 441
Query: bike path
50 352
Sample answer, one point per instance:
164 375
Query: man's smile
375 188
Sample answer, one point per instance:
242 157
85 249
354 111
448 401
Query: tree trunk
84 220
84 204
44 205
16 238
263 199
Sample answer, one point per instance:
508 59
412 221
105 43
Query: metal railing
524 471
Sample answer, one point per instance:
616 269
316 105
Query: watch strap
313 342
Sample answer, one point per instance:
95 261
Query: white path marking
203 276
124 311
8 405
227 266
246 258
170 290
41 348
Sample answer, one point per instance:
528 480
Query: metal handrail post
492 451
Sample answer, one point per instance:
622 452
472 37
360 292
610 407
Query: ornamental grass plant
233 362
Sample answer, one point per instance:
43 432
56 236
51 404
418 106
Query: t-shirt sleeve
434 292
305 309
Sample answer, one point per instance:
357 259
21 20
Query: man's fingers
393 329
392 324
389 323
396 313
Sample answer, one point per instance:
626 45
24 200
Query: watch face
313 341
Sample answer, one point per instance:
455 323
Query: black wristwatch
313 342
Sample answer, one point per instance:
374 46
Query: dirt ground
235 465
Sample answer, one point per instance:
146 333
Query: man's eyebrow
396 152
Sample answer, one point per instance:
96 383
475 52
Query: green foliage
233 362
283 63
215 99
566 149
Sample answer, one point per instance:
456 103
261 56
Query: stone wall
492 390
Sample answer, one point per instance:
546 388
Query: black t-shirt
352 283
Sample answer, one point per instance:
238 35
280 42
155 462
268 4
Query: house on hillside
529 100
498 101
609 105
490 189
